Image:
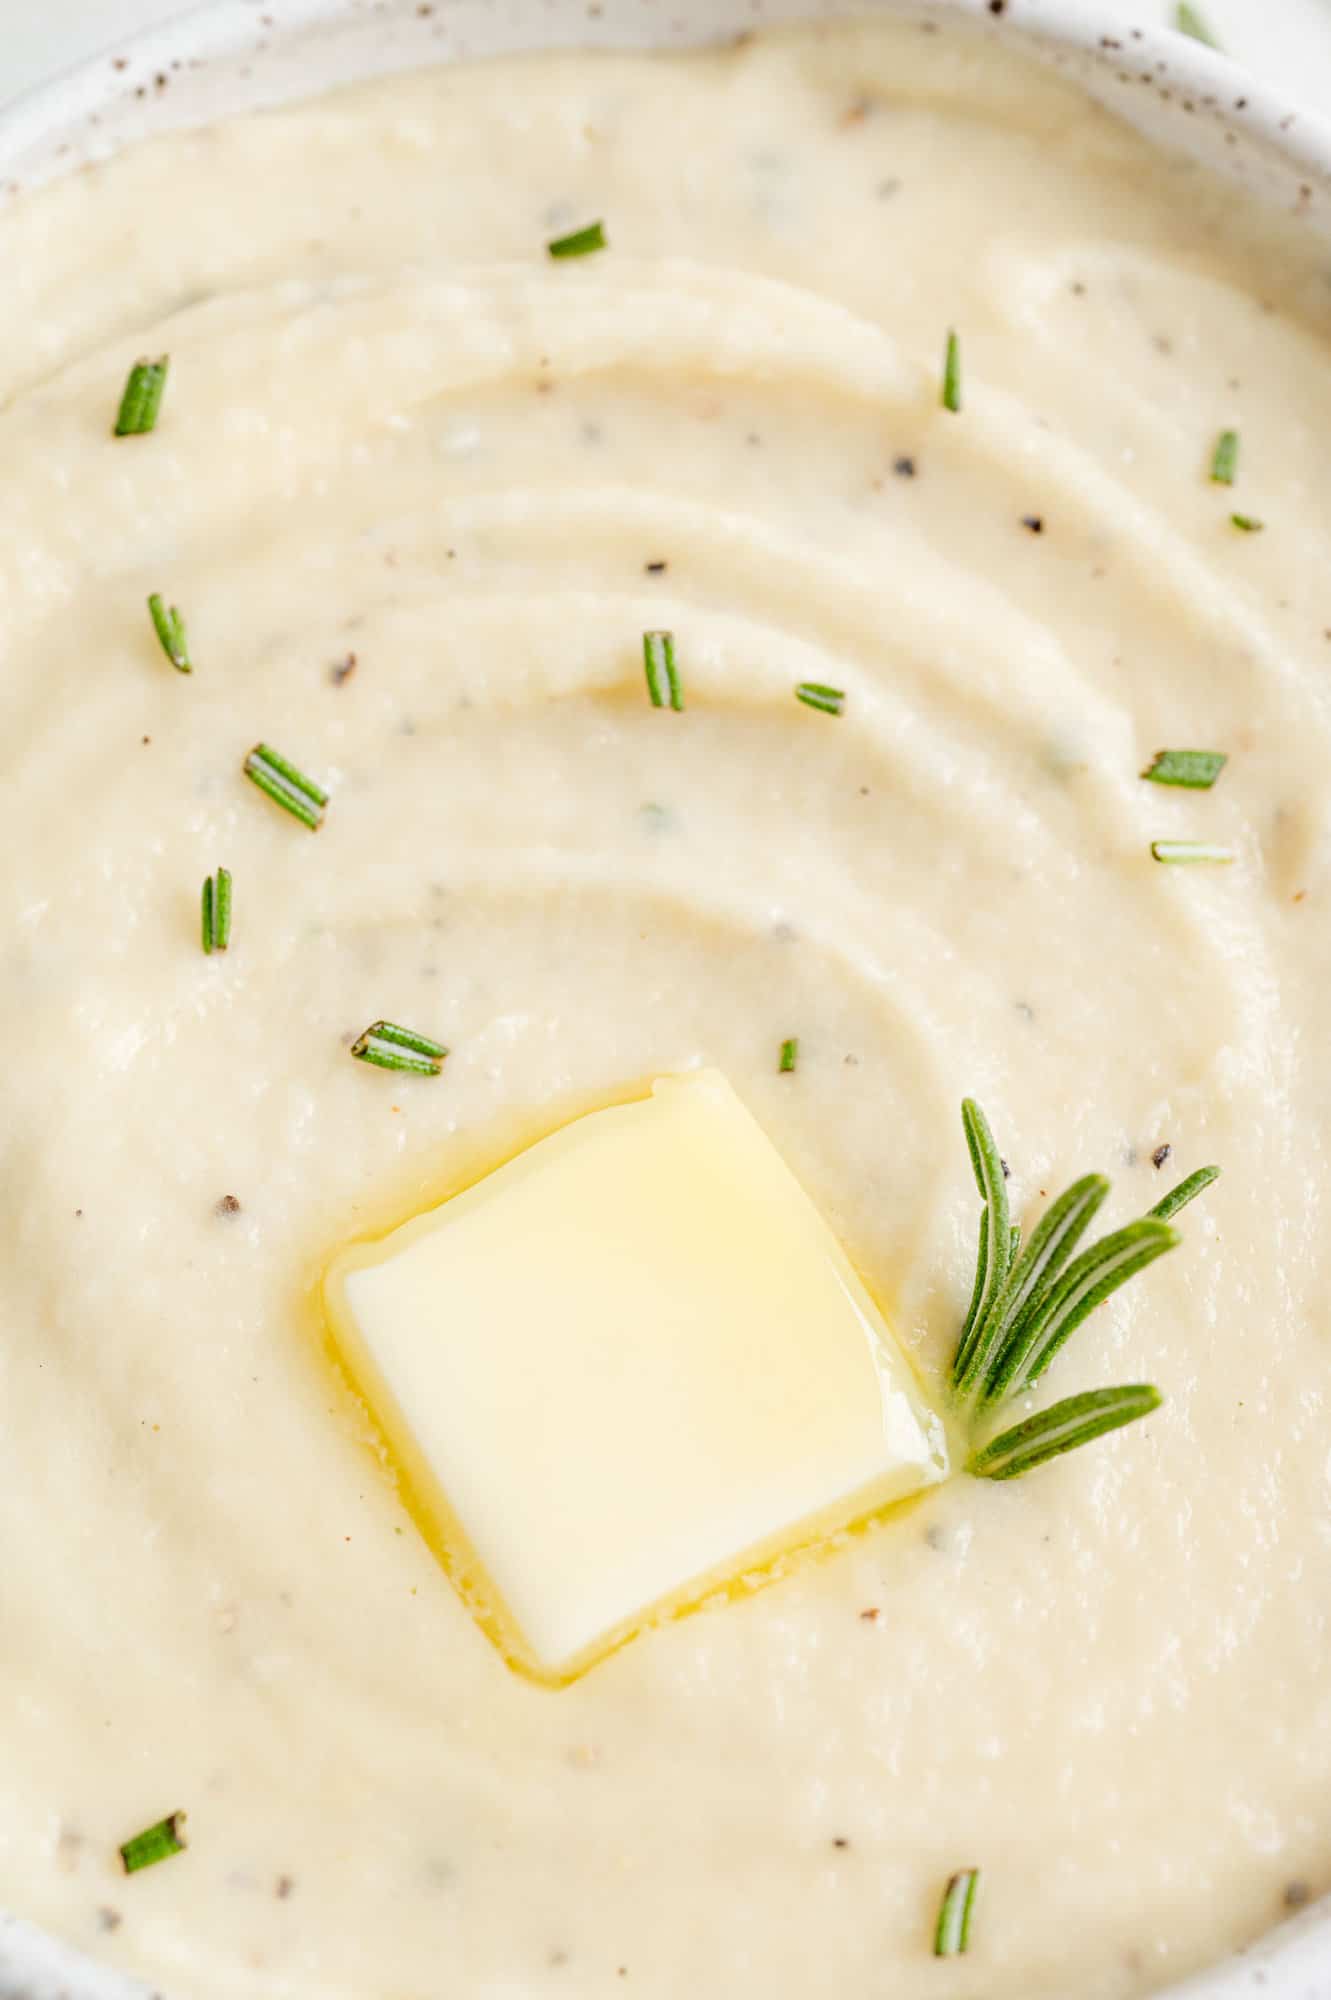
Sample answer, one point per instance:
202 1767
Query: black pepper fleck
904 467
840 1842
998 6
1297 1894
1035 522
228 1205
342 670
1007 1171
1160 1155
657 568
285 1885
111 1920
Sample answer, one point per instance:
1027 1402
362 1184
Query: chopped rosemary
790 1055
952 372
663 682
217 911
155 1843
814 694
1190 851
389 1047
1189 22
170 629
286 786
580 242
1077 1420
142 398
952 1933
1247 524
1225 463
1028 1301
1197 769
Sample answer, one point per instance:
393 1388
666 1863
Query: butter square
627 1367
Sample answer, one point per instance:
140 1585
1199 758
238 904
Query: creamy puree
395 430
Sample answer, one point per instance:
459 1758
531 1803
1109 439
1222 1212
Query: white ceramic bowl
240 54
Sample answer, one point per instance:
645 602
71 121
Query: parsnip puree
418 490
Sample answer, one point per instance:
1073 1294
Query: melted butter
626 1375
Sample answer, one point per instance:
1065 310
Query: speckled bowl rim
242 54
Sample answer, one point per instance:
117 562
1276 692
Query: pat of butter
627 1368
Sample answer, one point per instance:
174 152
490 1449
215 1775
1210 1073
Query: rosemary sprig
663 681
1189 853
170 629
1026 1303
142 399
286 786
951 397
579 242
1197 769
155 1843
952 1933
790 1055
1247 524
815 694
217 911
389 1047
1077 1420
1225 459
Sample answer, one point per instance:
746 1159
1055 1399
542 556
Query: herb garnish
1247 524
217 911
154 1844
1190 851
952 373
389 1047
1189 22
663 682
286 786
1077 1420
1197 769
170 629
952 1934
142 398
1225 463
580 242
790 1055
1027 1302
814 694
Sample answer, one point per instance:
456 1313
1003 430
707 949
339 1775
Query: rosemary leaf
1189 22
388 1046
992 1183
217 911
790 1055
1225 460
170 629
1197 769
1031 1279
814 694
1247 524
1185 1192
579 242
663 682
952 1934
951 397
286 786
155 1843
1098 1273
1076 1421
142 399
1190 853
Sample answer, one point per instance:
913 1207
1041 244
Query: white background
1288 41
